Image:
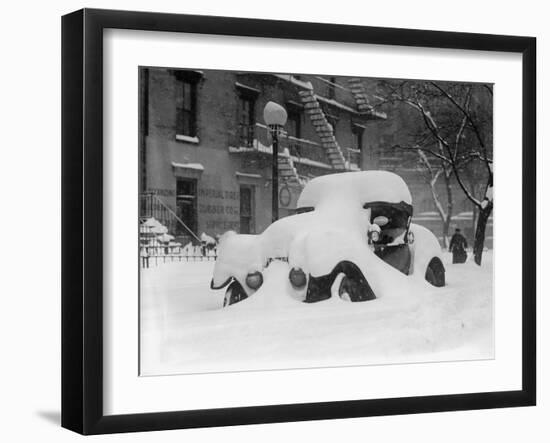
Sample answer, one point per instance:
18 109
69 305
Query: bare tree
456 132
434 172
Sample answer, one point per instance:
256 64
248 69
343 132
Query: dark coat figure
458 247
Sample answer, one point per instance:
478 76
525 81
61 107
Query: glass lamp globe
274 114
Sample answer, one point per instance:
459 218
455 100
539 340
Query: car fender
425 248
238 255
320 252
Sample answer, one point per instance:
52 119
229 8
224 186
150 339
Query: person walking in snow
458 247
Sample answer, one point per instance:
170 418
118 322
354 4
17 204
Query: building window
247 120
186 107
247 209
294 123
186 205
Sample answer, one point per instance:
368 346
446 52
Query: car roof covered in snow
359 188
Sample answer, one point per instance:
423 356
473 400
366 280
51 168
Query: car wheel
234 294
435 273
355 290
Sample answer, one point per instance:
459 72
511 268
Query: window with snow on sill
187 139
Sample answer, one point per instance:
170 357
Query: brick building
205 153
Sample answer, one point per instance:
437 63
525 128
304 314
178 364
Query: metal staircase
324 129
360 95
288 171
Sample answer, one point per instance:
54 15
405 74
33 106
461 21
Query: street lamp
275 118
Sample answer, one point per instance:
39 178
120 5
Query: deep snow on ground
184 328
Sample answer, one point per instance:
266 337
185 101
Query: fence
153 255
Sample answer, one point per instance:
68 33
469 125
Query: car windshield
393 219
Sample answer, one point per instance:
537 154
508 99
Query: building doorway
186 205
247 209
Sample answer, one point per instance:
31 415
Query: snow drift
185 330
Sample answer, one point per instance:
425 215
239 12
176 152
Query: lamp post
275 118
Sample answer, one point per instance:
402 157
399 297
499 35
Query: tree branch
433 180
421 148
469 118
432 126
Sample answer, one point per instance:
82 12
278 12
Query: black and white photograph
295 221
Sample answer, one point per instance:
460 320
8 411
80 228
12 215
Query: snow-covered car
350 229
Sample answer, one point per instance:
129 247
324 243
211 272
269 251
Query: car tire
234 294
435 273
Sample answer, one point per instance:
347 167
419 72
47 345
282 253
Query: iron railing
338 92
247 134
155 255
255 137
304 150
151 206
153 250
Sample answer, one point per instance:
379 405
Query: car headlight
374 236
297 277
254 280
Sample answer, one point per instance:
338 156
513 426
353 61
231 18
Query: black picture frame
82 218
